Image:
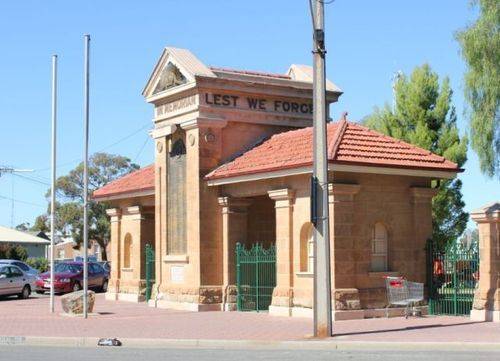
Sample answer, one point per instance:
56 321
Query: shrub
13 252
40 263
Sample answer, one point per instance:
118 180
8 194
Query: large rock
72 303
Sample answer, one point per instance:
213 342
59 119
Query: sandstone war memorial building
233 160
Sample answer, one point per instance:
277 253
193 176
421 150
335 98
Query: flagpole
53 182
85 174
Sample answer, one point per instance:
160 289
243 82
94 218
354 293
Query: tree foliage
103 168
425 116
480 44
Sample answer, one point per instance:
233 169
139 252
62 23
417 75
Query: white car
13 281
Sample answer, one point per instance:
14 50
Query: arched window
127 245
306 248
379 248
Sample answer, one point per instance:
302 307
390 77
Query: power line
20 201
100 150
141 149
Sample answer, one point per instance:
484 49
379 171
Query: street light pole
53 180
322 286
85 174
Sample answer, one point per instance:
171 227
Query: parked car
23 266
14 281
106 265
68 277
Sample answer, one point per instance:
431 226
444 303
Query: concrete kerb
330 344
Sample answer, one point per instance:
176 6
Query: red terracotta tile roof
141 180
348 143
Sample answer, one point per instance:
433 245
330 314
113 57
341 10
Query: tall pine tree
424 115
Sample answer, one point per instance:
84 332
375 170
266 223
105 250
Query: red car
68 277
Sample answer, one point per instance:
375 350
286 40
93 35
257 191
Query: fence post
238 277
148 273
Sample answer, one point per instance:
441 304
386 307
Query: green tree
425 116
480 44
24 227
103 168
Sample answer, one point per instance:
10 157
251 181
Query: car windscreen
68 268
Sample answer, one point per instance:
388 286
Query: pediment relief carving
170 77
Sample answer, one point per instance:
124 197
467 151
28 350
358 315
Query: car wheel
104 287
40 292
25 293
76 287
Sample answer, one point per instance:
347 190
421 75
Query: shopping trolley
401 292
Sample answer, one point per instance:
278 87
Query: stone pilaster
421 199
234 230
283 292
345 298
486 305
114 281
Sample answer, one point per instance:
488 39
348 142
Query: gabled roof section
348 143
142 180
10 235
300 72
188 64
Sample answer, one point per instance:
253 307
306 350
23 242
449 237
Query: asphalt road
20 353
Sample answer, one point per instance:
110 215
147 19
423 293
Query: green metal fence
150 270
452 277
255 277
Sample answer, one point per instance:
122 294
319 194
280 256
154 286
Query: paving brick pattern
128 320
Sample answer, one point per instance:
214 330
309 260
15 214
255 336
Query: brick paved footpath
127 320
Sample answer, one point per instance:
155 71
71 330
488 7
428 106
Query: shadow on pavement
408 328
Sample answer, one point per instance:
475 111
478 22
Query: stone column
486 305
421 199
234 229
114 282
345 296
283 292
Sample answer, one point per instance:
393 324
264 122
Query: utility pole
319 196
85 174
53 180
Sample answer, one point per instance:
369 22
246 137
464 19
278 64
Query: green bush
17 252
40 263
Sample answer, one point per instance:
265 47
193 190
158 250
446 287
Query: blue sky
367 42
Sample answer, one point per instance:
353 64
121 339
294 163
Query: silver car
13 281
23 266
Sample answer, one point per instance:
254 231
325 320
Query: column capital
203 123
281 194
163 131
342 192
489 213
232 205
422 194
114 214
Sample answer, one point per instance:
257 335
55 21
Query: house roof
10 235
348 143
141 180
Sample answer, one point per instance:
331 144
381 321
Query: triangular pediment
175 68
170 77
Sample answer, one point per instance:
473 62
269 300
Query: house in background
65 249
36 246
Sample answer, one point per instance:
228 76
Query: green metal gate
452 277
150 270
255 277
